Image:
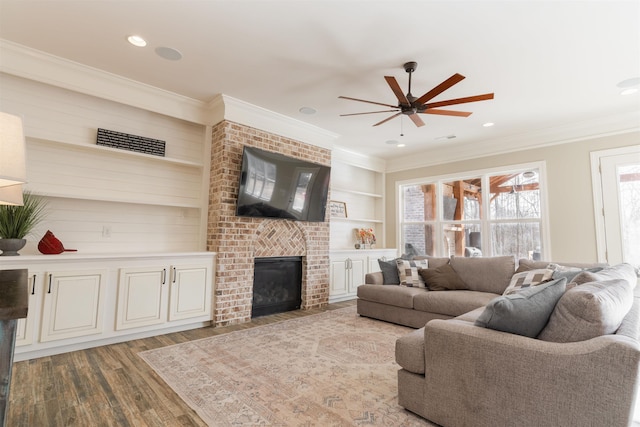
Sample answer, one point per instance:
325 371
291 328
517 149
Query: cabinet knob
33 285
50 277
174 275
164 276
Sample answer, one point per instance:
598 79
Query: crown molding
251 115
357 159
32 64
564 134
21 61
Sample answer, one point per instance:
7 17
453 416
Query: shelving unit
102 199
361 188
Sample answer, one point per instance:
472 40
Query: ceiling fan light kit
411 106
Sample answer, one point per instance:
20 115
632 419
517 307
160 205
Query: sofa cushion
621 271
410 351
523 313
526 279
588 311
443 278
399 296
434 262
389 272
408 272
485 274
451 303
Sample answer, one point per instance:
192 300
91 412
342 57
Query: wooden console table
14 304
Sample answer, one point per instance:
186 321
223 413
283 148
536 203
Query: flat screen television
273 185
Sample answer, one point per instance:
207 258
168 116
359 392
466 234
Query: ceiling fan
411 106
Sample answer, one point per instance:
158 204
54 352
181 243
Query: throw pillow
621 271
570 275
588 311
443 278
523 313
527 279
408 272
389 271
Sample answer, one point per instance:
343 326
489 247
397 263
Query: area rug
328 369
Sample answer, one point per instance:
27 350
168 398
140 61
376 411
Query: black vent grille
124 141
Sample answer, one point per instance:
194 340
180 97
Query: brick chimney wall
237 240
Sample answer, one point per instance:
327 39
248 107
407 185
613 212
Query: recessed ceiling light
168 53
307 110
634 81
401 145
137 41
629 91
488 124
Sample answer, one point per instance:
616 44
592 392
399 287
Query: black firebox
277 285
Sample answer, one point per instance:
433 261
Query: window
487 213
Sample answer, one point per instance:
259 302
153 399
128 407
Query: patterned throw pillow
529 278
408 272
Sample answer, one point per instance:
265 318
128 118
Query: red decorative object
50 245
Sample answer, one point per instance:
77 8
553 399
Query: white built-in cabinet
349 267
73 304
78 301
155 295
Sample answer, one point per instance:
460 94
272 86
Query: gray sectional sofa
487 278
462 369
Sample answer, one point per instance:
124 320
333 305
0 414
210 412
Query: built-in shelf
140 201
120 152
377 221
359 193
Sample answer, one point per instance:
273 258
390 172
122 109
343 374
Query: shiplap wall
147 204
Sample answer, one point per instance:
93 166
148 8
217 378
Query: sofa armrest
496 378
374 278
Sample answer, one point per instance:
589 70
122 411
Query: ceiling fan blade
395 87
416 120
370 112
368 102
446 112
459 100
387 119
456 78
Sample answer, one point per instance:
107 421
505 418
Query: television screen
273 185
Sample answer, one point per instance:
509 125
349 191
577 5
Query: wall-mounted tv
273 185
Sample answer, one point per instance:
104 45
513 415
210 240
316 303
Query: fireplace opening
277 285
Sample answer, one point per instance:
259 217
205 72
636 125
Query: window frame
485 221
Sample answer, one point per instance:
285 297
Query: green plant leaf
18 221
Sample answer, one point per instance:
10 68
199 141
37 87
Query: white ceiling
550 63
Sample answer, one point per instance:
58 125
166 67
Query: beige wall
570 195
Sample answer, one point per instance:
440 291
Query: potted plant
16 222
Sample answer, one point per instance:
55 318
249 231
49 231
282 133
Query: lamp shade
11 195
13 168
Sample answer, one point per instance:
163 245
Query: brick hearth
238 240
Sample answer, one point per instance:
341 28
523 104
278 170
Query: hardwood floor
111 385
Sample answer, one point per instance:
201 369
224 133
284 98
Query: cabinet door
24 327
339 281
356 275
190 294
73 304
142 299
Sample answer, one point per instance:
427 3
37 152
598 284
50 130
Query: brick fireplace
239 240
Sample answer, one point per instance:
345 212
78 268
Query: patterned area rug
328 369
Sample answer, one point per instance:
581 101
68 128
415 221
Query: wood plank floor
111 385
